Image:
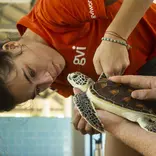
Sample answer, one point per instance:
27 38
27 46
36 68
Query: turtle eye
75 76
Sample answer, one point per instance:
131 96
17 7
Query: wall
35 137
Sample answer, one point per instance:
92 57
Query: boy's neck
30 36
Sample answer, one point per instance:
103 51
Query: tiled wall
35 137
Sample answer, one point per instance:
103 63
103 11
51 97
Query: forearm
128 16
137 138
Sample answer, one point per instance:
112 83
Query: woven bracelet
115 34
116 41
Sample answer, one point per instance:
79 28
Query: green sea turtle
113 97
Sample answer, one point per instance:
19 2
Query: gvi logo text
79 58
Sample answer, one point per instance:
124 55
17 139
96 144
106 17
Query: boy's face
36 68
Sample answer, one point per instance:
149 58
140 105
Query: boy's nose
45 81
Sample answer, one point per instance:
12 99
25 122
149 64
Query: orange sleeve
70 12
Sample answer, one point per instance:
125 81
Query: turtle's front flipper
147 123
88 111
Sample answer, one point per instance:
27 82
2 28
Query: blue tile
35 137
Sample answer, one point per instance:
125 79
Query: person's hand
111 58
146 85
129 133
79 122
111 122
81 125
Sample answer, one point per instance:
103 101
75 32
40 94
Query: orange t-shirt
75 28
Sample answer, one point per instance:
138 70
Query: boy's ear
10 45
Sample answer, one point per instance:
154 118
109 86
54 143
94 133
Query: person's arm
128 16
114 47
129 133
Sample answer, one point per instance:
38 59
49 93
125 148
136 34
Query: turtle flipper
147 123
87 110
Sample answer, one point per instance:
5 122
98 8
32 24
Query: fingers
109 73
144 94
76 91
81 125
111 59
113 70
110 121
148 83
97 66
124 67
76 119
136 81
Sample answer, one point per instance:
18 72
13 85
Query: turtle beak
70 80
69 77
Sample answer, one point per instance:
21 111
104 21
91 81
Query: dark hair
7 100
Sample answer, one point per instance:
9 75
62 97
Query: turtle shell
120 94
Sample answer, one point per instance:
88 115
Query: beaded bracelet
115 34
116 41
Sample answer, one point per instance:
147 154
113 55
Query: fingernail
134 95
110 77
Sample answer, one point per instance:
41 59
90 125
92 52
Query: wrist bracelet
115 34
116 41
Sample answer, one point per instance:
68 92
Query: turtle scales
113 97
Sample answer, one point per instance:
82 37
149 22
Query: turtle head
79 80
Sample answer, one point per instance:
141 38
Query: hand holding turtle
122 128
113 97
79 122
146 85
111 58
110 120
129 133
